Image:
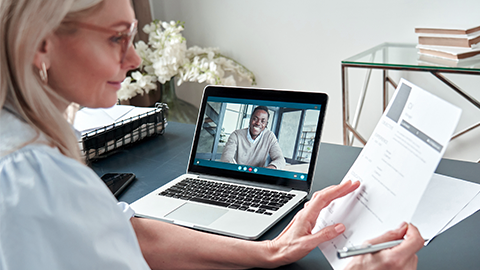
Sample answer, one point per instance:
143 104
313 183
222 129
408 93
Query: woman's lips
117 85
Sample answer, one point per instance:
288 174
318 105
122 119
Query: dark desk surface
159 160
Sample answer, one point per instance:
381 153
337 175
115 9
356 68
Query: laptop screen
261 135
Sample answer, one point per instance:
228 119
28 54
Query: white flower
142 84
146 82
166 56
230 81
127 90
148 28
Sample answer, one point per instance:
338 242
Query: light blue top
56 213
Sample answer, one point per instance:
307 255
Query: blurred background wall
300 45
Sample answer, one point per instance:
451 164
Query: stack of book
449 46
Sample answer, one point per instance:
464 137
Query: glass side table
398 56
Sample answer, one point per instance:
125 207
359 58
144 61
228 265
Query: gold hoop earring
43 73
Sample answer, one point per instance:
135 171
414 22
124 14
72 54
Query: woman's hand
402 256
297 240
167 246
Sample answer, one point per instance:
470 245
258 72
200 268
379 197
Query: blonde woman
55 213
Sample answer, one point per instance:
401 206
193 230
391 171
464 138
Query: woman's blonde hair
24 24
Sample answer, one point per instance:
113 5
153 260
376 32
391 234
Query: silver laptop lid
229 120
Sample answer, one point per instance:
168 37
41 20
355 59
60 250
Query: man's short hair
263 108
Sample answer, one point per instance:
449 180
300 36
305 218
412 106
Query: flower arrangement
166 56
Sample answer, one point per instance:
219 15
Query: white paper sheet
394 169
134 112
88 119
470 209
443 199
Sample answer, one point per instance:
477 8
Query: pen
354 251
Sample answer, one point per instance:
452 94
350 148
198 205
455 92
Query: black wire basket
102 142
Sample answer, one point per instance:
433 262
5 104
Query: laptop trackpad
196 214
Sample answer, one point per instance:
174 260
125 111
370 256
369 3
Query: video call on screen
294 125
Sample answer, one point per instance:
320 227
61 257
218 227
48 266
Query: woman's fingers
412 244
392 235
323 198
399 257
328 233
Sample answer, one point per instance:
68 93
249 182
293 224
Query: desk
394 56
158 160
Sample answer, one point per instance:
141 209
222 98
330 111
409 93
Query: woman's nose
132 59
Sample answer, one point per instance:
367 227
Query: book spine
453 42
448 55
437 53
473 30
474 41
446 31
440 31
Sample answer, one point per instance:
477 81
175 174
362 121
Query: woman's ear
42 55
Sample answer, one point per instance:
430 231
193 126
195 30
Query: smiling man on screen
252 146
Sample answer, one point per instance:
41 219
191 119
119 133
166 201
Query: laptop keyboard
256 200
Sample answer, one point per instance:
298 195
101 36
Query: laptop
217 194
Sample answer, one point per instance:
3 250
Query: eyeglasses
123 38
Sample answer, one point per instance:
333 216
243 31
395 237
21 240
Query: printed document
394 169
